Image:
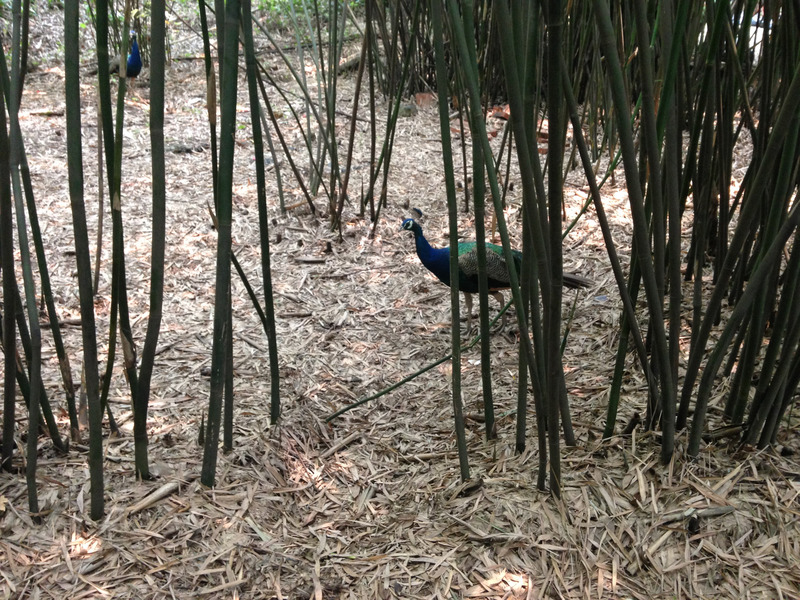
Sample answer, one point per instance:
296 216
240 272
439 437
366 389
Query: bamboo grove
664 90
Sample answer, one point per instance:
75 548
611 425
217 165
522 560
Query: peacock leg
468 299
499 297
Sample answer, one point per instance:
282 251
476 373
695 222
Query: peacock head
412 225
134 47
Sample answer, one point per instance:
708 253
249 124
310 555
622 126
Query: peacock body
133 65
437 261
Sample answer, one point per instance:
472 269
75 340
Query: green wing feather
468 260
467 247
496 267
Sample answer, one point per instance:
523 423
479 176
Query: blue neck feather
436 260
134 66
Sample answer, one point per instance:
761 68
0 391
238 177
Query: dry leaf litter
369 506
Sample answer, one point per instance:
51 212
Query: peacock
134 65
437 261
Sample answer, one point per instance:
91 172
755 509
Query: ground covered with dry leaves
369 505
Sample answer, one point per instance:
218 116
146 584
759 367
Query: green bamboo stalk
452 205
317 178
211 109
275 162
763 305
107 125
462 133
300 76
668 100
343 193
479 127
227 418
35 358
23 61
335 40
384 159
11 95
98 251
702 167
110 150
311 105
263 220
142 399
15 89
529 292
528 33
22 379
554 16
755 327
20 170
211 88
221 15
373 137
640 227
535 232
224 205
553 401
21 159
725 144
788 391
9 287
376 18
118 277
773 380
104 88
742 308
652 153
629 317
748 210
478 195
82 253
671 159
286 150
392 55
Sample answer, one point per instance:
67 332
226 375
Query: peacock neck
436 260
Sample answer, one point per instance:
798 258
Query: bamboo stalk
452 205
82 254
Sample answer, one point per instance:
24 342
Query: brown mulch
369 506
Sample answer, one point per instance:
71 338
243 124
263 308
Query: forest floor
370 505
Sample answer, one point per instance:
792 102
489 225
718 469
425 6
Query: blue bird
437 261
134 64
